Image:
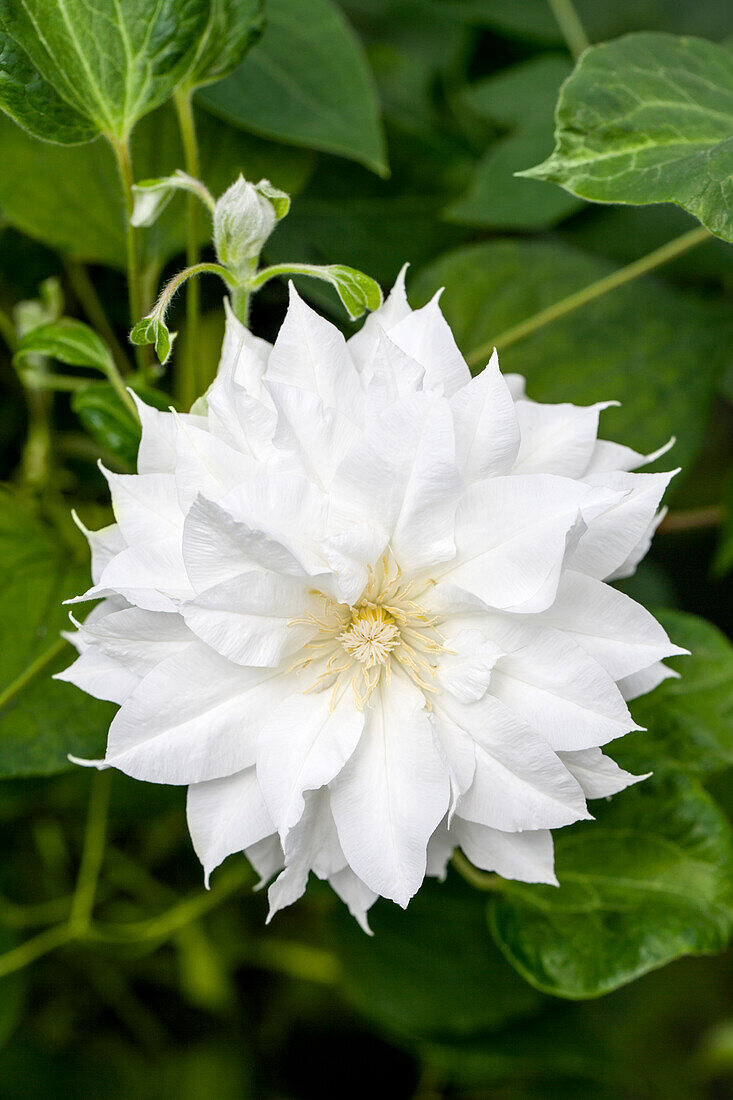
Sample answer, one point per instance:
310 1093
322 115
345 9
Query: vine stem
570 26
652 260
32 670
187 125
82 905
481 880
134 283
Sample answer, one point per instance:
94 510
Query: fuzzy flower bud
244 217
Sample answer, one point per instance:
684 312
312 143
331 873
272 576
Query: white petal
150 574
100 676
217 548
226 816
598 775
138 639
389 375
242 421
145 505
401 476
304 745
526 856
519 783
639 683
246 618
310 354
355 894
195 717
157 452
317 437
389 314
425 336
104 545
465 669
441 847
512 534
311 845
615 534
615 630
487 430
517 385
391 795
613 456
243 355
561 692
266 856
207 466
556 439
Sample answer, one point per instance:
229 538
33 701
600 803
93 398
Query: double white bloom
358 604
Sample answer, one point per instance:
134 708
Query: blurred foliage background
397 126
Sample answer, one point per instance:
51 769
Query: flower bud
244 218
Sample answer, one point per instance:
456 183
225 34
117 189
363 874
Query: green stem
82 904
118 385
240 298
124 165
663 255
31 671
569 23
187 126
85 291
481 880
34 948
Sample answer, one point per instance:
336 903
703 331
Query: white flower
358 604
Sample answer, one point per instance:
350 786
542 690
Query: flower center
372 635
360 643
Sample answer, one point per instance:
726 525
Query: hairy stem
655 259
570 26
187 126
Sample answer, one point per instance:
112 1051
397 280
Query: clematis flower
358 602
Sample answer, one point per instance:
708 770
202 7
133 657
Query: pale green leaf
647 882
111 62
646 119
306 82
153 330
68 341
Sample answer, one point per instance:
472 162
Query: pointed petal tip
100 765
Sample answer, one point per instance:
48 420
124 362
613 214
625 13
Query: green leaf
110 62
153 330
357 291
519 99
431 970
647 882
723 561
233 28
109 420
41 720
150 197
70 198
654 349
648 119
67 341
306 82
34 104
688 722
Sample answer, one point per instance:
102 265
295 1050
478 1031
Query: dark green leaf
431 969
34 104
520 99
81 212
305 82
654 349
111 62
647 119
232 30
723 562
41 720
689 721
68 341
646 883
110 422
